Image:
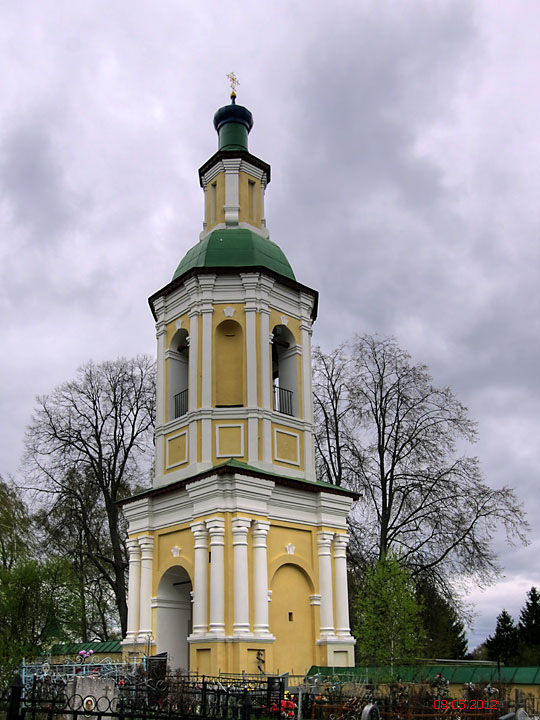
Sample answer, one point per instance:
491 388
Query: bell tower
237 553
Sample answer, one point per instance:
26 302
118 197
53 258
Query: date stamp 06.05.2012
448 704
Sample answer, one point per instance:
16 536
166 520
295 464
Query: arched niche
178 374
174 616
284 370
229 364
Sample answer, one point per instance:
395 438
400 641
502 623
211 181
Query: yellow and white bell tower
237 555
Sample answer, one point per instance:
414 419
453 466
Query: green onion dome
238 247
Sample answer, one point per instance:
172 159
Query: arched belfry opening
284 371
178 374
229 364
174 616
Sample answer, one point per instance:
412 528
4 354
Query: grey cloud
32 181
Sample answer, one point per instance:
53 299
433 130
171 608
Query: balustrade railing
283 400
181 403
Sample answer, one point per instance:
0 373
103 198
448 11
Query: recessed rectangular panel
229 441
176 450
286 447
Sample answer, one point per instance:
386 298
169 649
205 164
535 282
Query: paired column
324 541
342 596
240 527
200 581
260 578
216 529
146 544
134 586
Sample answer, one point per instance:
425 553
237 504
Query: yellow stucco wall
219 216
246 202
292 578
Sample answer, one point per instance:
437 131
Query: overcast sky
404 140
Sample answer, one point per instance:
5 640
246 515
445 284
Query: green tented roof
455 674
237 247
112 646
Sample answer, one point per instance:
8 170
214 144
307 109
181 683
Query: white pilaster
206 283
134 588
161 399
216 528
342 596
266 399
206 394
264 346
200 584
240 527
250 282
193 358
146 544
324 542
260 578
232 192
307 395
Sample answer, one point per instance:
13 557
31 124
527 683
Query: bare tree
86 445
383 429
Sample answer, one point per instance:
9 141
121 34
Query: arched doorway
174 619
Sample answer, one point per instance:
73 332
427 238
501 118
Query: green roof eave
232 464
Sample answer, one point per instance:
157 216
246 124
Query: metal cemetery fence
172 697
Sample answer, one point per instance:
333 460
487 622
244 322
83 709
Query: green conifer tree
503 645
529 629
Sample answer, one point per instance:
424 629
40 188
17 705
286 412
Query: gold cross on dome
234 83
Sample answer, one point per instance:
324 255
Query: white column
146 543
240 527
200 581
260 578
324 541
216 528
342 594
134 587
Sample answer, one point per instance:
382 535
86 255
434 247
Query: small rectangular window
290 617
